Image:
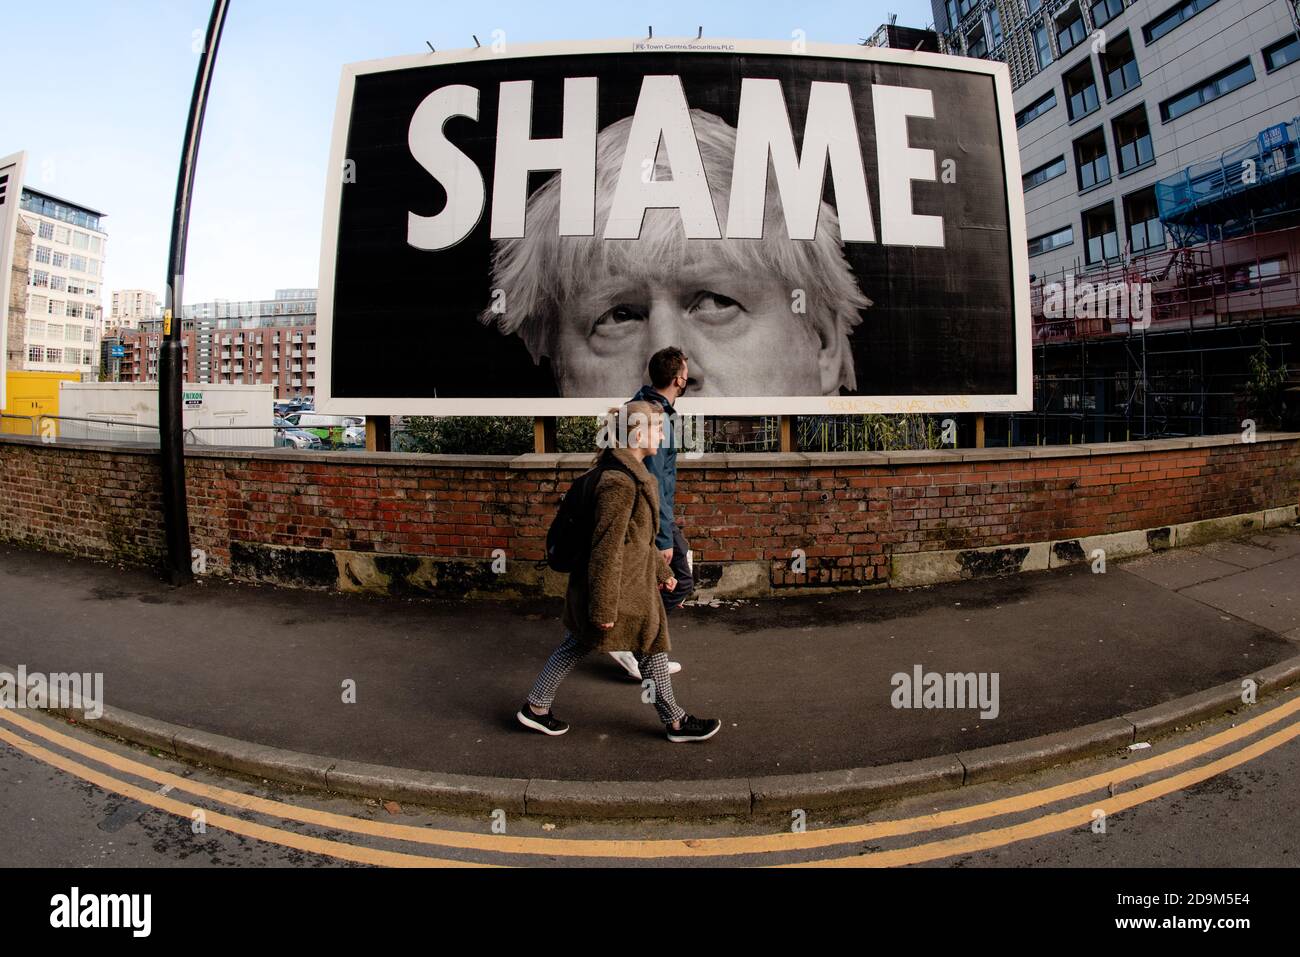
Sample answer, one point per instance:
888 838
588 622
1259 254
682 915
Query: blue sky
97 94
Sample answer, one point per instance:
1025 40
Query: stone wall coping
709 460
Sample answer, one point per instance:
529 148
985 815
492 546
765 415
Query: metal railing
1243 278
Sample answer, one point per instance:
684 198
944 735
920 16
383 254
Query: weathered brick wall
848 513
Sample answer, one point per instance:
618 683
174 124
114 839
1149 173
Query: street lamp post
176 523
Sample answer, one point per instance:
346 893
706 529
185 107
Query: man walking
669 376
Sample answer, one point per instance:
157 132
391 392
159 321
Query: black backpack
568 541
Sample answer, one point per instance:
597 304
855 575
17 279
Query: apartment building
64 314
257 341
131 306
1114 97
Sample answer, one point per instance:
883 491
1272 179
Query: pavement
803 685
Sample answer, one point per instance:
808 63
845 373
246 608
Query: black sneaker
694 729
546 723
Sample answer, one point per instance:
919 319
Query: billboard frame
17 162
1020 400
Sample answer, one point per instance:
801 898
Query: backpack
568 541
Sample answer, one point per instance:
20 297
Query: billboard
11 189
514 230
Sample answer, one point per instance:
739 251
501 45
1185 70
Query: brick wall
848 513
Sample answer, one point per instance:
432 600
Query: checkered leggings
564 658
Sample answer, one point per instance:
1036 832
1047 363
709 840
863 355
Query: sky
97 94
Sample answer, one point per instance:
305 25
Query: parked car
330 429
354 436
289 436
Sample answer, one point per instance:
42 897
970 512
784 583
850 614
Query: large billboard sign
822 229
11 189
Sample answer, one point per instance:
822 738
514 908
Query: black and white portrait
809 229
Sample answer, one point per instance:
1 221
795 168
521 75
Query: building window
951 6
43 254
54 331
1104 11
1070 30
1081 90
88 334
72 355
80 241
1033 5
46 231
1102 241
58 307
1048 171
1036 109
995 27
1046 243
58 283
1042 46
53 355
36 328
72 333
60 260
1091 159
1142 216
965 6
1173 18
62 234
1133 140
1207 91
40 279
35 354
1278 55
1265 272
976 45
1119 66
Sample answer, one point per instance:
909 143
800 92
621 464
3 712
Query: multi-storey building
64 311
1114 97
131 306
269 340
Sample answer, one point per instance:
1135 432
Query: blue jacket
663 466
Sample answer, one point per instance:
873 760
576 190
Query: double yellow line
495 845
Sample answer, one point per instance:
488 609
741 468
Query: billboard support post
176 523
979 430
379 433
544 434
787 433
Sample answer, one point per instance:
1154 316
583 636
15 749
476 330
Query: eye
715 307
617 316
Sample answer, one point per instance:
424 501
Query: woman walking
613 603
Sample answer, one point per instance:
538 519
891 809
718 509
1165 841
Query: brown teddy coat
621 581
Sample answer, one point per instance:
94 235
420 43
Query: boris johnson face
742 335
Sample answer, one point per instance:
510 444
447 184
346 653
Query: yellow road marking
662 848
261 832
1062 821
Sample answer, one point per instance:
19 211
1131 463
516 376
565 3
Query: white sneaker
628 662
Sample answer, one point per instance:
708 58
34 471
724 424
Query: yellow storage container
29 394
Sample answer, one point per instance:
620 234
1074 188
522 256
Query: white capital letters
573 154
900 164
831 131
449 166
662 113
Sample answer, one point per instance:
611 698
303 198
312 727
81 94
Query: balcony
1206 192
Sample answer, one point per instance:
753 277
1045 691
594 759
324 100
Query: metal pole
176 523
